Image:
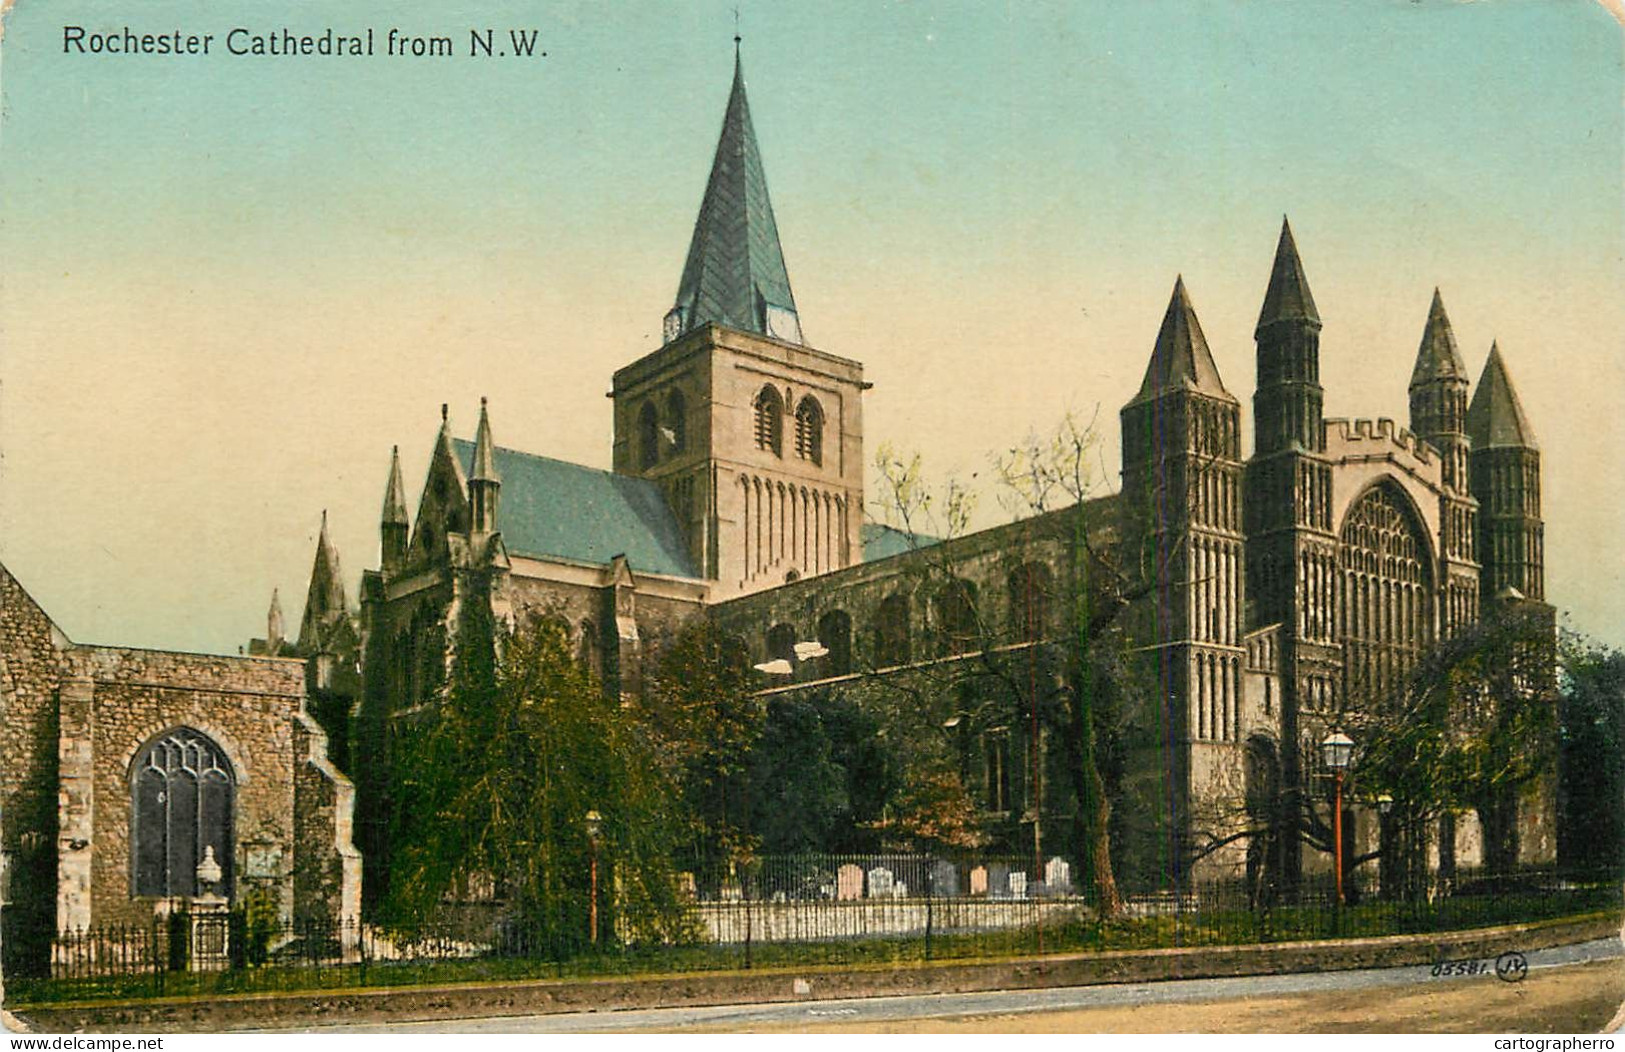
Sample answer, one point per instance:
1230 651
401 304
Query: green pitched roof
553 509
735 269
1495 417
882 542
1181 358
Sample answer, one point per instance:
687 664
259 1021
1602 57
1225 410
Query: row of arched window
768 427
955 624
792 528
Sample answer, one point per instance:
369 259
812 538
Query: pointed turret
1437 357
394 522
1287 402
325 600
273 625
1181 358
1506 481
735 274
395 492
1438 393
1496 416
485 483
1288 297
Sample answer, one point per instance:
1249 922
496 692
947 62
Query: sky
229 284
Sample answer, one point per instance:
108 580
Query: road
1567 989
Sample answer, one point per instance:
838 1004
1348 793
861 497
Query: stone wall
30 671
327 877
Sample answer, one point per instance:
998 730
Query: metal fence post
930 889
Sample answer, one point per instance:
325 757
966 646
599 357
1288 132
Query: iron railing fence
778 912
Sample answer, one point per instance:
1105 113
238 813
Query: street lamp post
595 828
1337 751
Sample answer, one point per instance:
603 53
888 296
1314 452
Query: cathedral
1318 566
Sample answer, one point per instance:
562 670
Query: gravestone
880 883
978 881
944 878
1018 884
849 882
899 890
998 880
687 888
1058 875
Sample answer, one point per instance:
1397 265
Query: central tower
755 437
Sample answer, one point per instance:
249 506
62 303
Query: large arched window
181 805
770 420
648 436
891 631
676 422
1029 602
1386 606
955 609
810 430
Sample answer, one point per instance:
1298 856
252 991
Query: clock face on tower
783 324
674 324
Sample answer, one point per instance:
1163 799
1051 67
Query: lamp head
1337 751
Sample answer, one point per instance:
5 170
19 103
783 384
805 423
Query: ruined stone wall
327 877
30 671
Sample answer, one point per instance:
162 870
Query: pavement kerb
694 989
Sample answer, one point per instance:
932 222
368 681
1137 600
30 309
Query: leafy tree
1070 682
1471 725
820 776
1591 758
703 711
496 779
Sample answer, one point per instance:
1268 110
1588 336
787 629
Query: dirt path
1576 999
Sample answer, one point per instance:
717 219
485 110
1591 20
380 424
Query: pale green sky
229 284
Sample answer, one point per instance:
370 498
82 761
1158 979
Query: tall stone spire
394 522
485 483
735 274
1181 358
1437 358
1288 297
1496 416
326 596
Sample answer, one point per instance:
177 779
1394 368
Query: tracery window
181 815
1386 604
769 429
810 430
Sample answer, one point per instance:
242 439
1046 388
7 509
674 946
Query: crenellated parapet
1380 437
